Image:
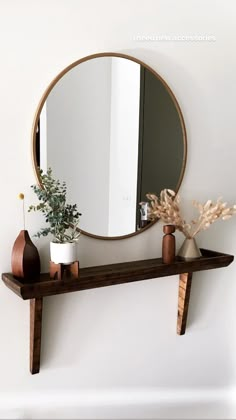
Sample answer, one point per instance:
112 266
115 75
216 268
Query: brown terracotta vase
25 260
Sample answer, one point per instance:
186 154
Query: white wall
113 352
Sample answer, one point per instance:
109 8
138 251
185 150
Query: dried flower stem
23 208
22 197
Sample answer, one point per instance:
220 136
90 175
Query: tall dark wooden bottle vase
25 258
168 244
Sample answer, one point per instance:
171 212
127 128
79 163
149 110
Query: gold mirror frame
49 89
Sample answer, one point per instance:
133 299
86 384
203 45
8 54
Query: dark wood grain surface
36 308
113 274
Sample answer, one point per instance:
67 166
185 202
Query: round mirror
111 128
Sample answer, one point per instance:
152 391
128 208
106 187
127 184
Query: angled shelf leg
185 281
36 308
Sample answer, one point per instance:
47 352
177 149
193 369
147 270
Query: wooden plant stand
58 271
109 275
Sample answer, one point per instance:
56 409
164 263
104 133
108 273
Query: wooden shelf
110 275
113 274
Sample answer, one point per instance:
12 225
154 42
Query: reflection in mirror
112 130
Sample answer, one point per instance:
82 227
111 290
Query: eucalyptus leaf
58 214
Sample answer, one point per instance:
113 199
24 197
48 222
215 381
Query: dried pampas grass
167 208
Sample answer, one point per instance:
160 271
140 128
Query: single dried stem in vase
23 209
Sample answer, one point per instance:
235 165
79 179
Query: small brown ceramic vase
25 260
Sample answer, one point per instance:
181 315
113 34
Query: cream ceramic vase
189 250
63 253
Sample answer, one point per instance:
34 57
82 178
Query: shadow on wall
162 408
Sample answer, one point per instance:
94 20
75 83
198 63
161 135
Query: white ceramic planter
63 253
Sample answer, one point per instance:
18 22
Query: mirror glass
112 130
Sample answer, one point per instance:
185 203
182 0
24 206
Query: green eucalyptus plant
63 218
